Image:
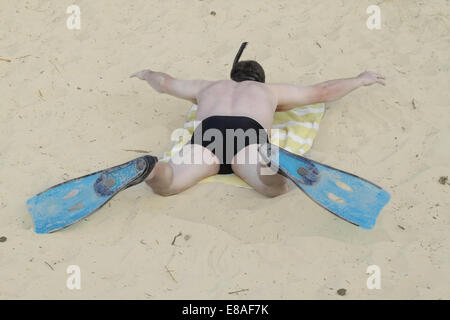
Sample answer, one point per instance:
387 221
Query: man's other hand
143 74
368 78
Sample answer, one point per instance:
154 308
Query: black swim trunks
225 136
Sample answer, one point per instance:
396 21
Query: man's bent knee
161 180
165 192
274 190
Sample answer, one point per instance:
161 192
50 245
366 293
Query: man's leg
192 164
247 166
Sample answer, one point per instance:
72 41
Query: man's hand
143 74
155 79
368 78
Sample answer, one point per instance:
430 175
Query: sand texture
68 108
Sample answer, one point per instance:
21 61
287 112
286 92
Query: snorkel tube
238 55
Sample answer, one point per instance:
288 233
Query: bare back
229 98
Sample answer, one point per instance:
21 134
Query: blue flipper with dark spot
68 202
346 195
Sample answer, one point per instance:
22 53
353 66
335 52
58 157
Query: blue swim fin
68 202
346 195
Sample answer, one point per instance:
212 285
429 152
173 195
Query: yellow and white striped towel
293 130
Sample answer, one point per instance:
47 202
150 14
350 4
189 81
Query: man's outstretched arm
291 96
163 83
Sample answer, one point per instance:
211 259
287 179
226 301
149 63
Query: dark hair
246 70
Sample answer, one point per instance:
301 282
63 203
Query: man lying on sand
242 104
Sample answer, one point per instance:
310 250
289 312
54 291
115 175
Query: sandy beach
69 108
